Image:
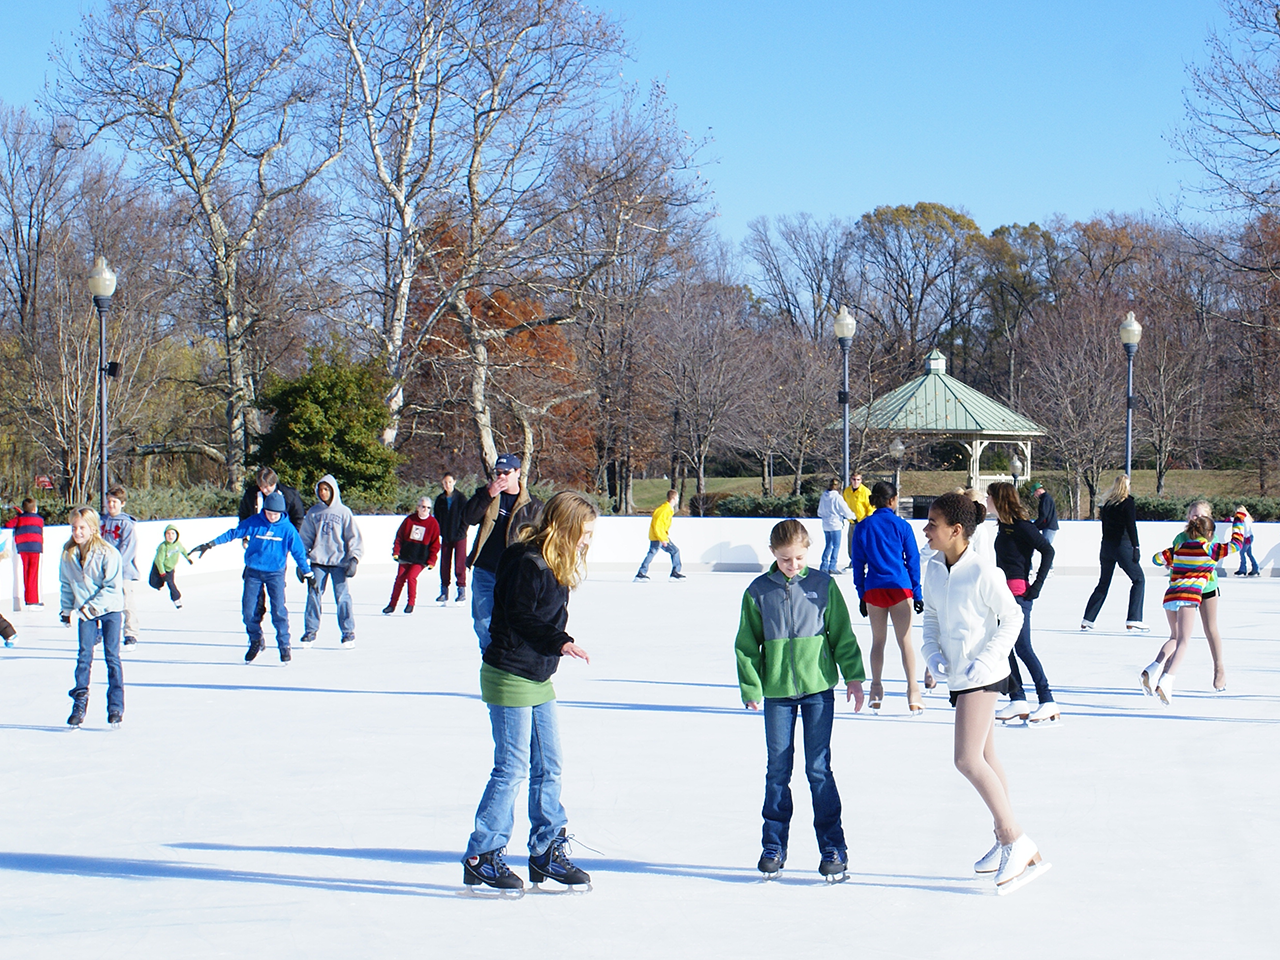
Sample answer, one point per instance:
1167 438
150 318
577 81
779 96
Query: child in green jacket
793 634
166 562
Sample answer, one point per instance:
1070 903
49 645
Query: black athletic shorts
1209 594
1000 686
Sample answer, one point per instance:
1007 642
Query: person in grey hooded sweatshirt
332 539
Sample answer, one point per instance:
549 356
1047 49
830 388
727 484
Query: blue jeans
108 625
526 740
817 711
1246 551
255 581
654 547
831 551
315 593
1022 651
1049 534
482 582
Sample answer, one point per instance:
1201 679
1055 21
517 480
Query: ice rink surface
320 809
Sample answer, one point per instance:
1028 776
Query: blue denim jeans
831 551
482 582
1023 651
341 595
255 581
654 547
526 740
817 711
107 628
1246 553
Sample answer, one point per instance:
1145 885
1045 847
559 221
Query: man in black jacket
451 513
255 491
502 509
1047 513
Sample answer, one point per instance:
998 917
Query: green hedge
749 506
1175 508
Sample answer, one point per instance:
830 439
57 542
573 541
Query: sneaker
255 648
834 865
307 639
1136 626
130 641
491 870
285 655
389 609
990 861
462 595
348 641
772 860
641 578
554 864
1014 710
114 719
677 576
408 608
1046 711
444 597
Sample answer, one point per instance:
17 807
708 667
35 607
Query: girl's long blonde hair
1119 490
557 533
95 541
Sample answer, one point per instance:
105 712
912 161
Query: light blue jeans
341 595
830 551
526 741
654 547
482 583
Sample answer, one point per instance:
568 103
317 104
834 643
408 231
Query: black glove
65 617
200 550
862 607
302 576
1137 554
349 568
919 606
1033 593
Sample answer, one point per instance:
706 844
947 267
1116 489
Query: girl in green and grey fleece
166 562
793 634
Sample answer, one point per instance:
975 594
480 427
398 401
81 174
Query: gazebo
939 405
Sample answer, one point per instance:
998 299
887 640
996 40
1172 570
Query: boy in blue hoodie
272 539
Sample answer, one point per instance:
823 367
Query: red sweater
418 541
28 532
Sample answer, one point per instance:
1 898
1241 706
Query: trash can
920 507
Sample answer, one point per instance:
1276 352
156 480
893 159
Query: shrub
743 505
1175 508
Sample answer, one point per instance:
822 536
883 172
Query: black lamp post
102 284
845 327
1130 335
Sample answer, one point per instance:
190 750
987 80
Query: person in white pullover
971 622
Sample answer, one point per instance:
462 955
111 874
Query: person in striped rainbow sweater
1190 564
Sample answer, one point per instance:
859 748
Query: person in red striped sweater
28 541
1190 566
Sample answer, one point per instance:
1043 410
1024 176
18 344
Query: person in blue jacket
886 573
272 539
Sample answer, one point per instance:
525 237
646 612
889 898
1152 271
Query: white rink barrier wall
706 544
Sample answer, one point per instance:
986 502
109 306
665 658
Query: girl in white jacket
971 622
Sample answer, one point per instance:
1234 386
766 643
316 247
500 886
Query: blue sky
1012 111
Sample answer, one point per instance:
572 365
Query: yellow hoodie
660 525
859 501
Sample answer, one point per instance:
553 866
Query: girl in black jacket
1016 540
1119 546
527 640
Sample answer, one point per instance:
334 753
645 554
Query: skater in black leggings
1119 546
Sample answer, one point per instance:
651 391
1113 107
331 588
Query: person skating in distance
793 633
334 548
272 540
660 538
414 549
91 576
970 624
527 639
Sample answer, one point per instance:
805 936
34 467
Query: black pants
1111 554
158 580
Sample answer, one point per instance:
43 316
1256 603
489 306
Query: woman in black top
1119 546
1016 540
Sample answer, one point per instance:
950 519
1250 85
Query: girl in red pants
416 546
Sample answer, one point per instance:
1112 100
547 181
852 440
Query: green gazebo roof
937 403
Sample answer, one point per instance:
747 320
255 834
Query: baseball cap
1037 486
508 461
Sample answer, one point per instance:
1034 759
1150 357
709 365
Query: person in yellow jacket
858 497
660 538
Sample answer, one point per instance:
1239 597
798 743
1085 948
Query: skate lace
500 867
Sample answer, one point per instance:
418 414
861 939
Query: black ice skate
255 648
80 704
834 866
771 862
491 870
115 719
554 864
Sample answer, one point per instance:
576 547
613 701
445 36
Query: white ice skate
1014 710
1150 674
1046 711
990 861
1020 863
1164 689
1136 626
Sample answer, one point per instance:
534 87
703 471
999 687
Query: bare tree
801 268
222 102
